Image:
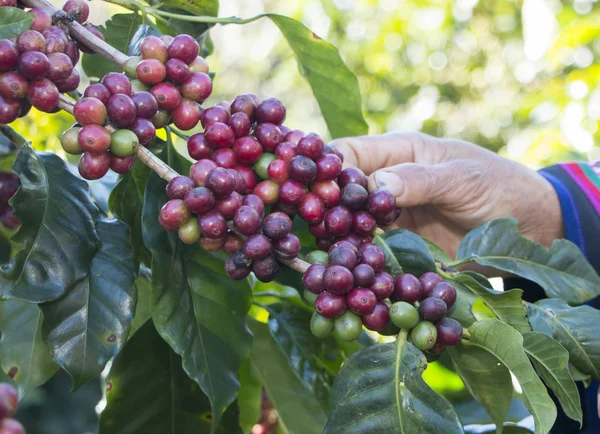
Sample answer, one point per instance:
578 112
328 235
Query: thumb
415 184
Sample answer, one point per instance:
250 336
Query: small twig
81 34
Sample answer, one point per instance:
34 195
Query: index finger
371 153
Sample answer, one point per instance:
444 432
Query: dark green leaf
10 140
488 381
576 329
437 252
118 31
406 252
508 306
463 309
187 7
143 308
290 326
90 323
57 236
381 389
551 361
126 201
23 353
506 344
299 411
561 270
250 397
197 309
335 87
13 21
148 392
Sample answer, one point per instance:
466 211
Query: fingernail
389 181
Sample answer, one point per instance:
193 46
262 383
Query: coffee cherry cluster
9 400
39 64
9 184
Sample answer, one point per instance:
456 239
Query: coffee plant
253 273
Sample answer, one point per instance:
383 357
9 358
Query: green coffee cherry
189 232
260 167
317 257
424 335
138 86
320 326
404 315
309 297
123 143
348 326
70 142
130 65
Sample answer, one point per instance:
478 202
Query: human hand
447 187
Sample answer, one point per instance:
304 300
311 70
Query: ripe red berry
354 197
179 186
121 165
214 114
361 301
10 110
277 225
372 255
270 110
257 247
291 192
234 272
432 309
177 70
219 135
60 67
151 71
183 47
117 83
186 115
408 288
145 104
90 111
352 175
9 400
449 332
33 65
302 169
344 256
11 426
220 181
94 166
363 223
287 248
269 136
78 8
265 269
330 305
278 170
286 151
198 148
31 40
248 176
311 146
267 191
70 83
429 280
338 279
233 243
240 181
247 220
381 202
338 221
94 139
13 86
240 124
328 191
311 208
200 169
144 130
446 292
379 318
153 48
167 96
364 275
313 278
225 158
212 225
247 149
245 103
212 244
228 205
121 110
197 86
199 200
43 95
41 20
329 167
9 55
98 91
389 218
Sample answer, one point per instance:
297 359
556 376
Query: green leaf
290 326
250 397
174 26
406 252
148 392
13 21
57 235
335 87
506 344
577 329
381 389
23 353
193 7
88 325
126 201
437 252
299 411
464 308
561 270
488 381
551 361
196 308
117 31
10 140
508 306
143 308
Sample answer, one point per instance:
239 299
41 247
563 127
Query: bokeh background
518 77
